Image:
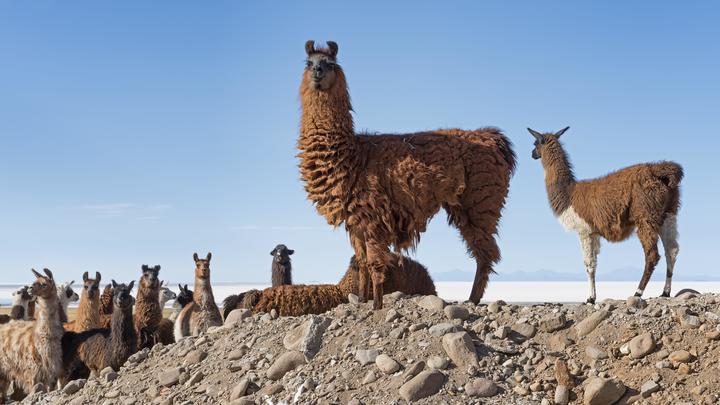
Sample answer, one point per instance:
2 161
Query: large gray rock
423 385
641 345
461 350
589 324
236 316
456 312
601 391
432 303
287 362
307 337
481 387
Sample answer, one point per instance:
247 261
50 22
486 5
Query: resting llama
31 351
385 188
88 313
643 197
202 313
148 313
93 350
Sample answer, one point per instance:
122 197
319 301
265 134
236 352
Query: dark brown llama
385 188
148 313
281 265
643 198
202 313
91 351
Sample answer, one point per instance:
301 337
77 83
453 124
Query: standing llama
32 352
88 313
385 188
281 266
184 297
202 313
21 300
166 295
643 197
66 295
93 350
148 313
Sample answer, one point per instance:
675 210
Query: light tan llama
202 313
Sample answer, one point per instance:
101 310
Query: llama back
412 278
297 300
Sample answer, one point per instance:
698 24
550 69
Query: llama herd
384 189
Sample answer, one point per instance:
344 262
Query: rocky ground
659 351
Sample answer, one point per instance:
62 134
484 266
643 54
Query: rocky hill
658 351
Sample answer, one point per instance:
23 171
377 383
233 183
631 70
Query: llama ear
131 285
310 47
157 267
195 257
145 268
333 46
560 132
290 252
180 287
114 284
209 256
86 276
538 136
97 277
272 252
38 275
49 274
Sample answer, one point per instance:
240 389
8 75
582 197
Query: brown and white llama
66 295
385 188
281 265
21 300
88 312
644 198
31 350
91 351
202 313
148 313
184 297
166 295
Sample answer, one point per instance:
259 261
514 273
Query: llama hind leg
649 240
669 235
590 248
378 260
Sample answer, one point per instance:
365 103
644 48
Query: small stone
713 335
680 356
236 316
595 353
635 302
195 357
391 315
73 387
552 323
456 312
502 332
649 388
353 299
495 307
562 395
432 303
562 374
237 354
641 345
112 394
170 377
194 379
423 385
481 387
601 391
438 363
366 357
369 378
398 332
461 349
525 330
413 370
307 337
287 362
443 328
683 368
387 364
240 389
417 326
589 324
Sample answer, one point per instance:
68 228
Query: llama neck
89 312
281 274
203 295
122 329
559 177
328 147
48 325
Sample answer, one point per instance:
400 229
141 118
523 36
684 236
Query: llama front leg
590 249
669 235
378 260
648 239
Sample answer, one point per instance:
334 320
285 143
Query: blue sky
139 132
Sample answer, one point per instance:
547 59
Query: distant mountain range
623 274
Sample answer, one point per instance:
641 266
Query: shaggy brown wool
385 188
637 198
148 313
88 312
96 349
297 300
411 278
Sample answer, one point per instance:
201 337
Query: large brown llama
88 312
385 188
202 313
31 350
93 350
411 278
281 265
643 197
148 313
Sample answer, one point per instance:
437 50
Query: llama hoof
377 304
637 294
590 301
665 295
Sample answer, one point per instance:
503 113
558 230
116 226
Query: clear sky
139 132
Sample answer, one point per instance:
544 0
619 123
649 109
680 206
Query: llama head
166 295
202 266
91 286
542 141
184 297
44 285
281 254
22 296
122 299
65 292
321 68
149 278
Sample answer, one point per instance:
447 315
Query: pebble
587 325
413 370
562 395
353 299
391 315
443 328
502 332
240 389
287 362
679 356
649 388
366 357
237 316
601 391
370 377
73 387
635 302
423 385
438 363
417 326
456 312
553 323
595 353
461 350
432 303
481 387
170 377
641 345
194 379
195 357
525 330
386 364
307 337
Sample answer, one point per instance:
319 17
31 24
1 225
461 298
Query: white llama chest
571 221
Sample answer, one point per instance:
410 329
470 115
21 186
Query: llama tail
505 147
230 303
670 173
